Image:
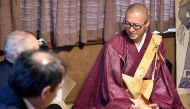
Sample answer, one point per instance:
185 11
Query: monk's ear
46 92
148 23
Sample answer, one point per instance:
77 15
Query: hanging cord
155 63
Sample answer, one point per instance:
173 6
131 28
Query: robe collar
138 55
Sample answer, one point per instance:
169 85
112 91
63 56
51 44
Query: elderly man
34 82
16 42
130 71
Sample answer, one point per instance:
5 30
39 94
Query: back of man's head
34 70
17 42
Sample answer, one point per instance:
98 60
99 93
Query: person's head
37 76
136 21
17 42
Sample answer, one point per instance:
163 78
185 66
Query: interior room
77 30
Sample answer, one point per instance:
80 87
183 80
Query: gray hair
17 42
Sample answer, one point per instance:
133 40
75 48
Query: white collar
141 43
28 104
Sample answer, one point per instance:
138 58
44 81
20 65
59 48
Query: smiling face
136 16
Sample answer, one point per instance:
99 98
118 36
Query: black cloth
5 70
9 100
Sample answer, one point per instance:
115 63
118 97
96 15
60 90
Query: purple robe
104 89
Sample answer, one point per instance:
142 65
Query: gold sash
139 88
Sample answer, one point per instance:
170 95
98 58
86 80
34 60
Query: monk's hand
154 106
134 107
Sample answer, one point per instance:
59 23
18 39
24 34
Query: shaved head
138 8
137 14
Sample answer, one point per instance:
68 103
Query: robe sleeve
112 90
103 87
164 92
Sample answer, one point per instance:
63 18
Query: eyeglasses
128 25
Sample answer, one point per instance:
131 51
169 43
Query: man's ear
46 92
61 84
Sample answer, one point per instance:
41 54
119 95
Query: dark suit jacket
5 70
9 100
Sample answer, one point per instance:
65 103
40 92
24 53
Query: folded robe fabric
104 89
